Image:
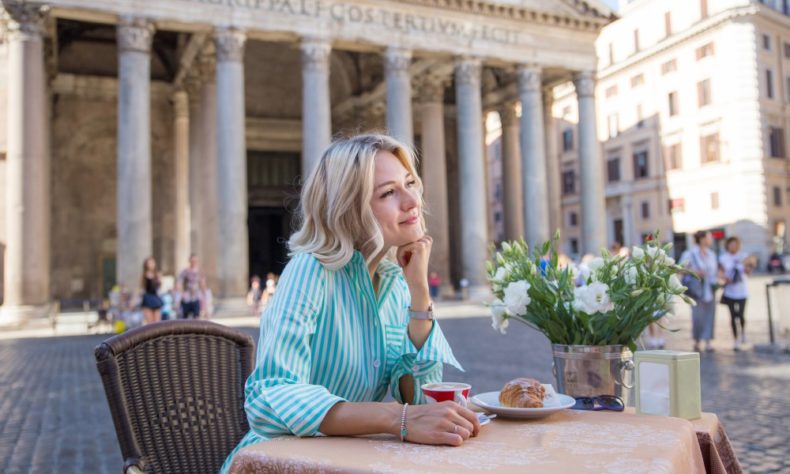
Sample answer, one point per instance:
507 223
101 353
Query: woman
734 270
151 280
701 261
346 323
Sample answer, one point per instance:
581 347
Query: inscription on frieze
341 12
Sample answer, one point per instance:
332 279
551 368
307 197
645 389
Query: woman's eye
411 183
387 193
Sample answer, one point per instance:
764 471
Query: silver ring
455 429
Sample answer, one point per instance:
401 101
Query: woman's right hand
445 423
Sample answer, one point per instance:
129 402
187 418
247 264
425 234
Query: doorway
268 230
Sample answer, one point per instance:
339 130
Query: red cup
457 392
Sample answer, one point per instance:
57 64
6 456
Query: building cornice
671 42
590 17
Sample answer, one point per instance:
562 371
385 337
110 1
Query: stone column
399 116
592 192
182 211
513 199
195 163
27 169
233 260
552 163
208 181
533 156
316 108
471 174
628 221
434 176
134 38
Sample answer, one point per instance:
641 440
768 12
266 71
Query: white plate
554 402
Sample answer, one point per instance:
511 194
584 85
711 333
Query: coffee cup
457 392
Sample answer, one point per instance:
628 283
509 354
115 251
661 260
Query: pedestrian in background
271 286
734 269
255 295
434 282
191 286
701 261
150 282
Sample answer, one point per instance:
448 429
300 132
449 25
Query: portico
234 100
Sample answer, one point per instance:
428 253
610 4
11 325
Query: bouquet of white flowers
616 299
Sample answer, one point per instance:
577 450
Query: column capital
134 34
229 43
431 88
507 114
181 104
468 71
584 81
397 60
24 20
529 78
315 54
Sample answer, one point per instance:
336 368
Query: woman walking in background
150 281
734 270
701 261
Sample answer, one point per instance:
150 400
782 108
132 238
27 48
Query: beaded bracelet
403 431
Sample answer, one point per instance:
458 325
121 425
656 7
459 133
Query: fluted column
434 175
533 156
513 198
208 181
316 111
552 163
233 261
399 114
592 193
195 163
181 184
134 36
27 169
471 174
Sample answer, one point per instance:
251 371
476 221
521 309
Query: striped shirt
325 338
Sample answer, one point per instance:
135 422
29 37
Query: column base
25 316
477 294
231 308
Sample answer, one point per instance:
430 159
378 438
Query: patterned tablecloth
568 441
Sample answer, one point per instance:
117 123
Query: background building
177 126
692 115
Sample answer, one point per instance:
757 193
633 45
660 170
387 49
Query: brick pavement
55 417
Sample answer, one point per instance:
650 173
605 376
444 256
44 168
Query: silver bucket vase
588 371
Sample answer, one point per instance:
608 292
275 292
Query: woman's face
707 241
732 247
150 264
396 201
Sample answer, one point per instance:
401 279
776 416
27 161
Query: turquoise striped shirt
325 338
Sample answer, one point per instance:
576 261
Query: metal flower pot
588 371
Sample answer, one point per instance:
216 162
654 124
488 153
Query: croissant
522 393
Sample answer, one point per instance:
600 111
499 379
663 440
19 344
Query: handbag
694 285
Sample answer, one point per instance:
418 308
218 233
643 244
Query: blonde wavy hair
335 214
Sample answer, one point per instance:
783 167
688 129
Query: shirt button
376 363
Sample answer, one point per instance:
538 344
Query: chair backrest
176 393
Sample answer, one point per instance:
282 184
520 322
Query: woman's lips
410 221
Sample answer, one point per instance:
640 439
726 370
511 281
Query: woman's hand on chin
441 423
413 258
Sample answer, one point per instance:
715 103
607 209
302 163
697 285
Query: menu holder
668 383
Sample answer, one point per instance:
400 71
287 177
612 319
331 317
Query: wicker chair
176 394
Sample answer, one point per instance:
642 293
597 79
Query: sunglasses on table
602 402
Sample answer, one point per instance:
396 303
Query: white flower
501 274
675 284
596 264
593 298
631 274
657 254
637 253
499 316
516 297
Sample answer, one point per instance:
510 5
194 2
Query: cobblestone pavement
54 417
